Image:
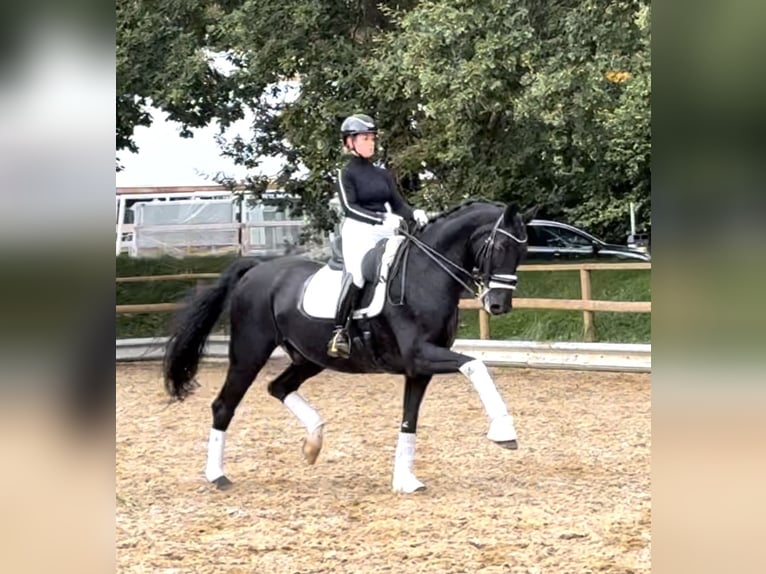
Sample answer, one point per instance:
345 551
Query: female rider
364 189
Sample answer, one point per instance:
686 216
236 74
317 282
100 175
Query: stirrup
339 345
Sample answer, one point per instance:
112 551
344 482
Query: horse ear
530 213
510 214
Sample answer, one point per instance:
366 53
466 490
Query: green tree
166 58
542 102
325 47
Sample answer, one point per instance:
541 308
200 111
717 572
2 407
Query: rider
364 190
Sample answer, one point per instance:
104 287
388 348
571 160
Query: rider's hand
392 221
420 217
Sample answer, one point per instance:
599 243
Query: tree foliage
164 59
538 101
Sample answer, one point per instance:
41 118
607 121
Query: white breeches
358 239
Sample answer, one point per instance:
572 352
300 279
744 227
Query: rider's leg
340 345
358 238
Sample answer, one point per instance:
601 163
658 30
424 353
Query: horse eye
502 247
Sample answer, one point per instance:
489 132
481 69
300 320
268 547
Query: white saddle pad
320 298
321 295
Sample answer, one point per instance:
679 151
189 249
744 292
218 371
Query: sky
167 159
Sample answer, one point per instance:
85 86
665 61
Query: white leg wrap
303 411
404 479
478 374
216 442
501 426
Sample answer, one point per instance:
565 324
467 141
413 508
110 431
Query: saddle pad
320 297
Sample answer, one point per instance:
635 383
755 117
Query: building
152 221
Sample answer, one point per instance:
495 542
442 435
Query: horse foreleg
501 427
438 360
404 480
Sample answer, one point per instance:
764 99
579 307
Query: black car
553 241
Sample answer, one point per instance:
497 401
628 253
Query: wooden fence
585 304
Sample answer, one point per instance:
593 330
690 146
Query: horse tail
193 326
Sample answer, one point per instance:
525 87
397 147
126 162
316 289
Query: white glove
391 221
420 217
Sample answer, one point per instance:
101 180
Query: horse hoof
502 430
407 484
409 490
223 483
312 445
509 444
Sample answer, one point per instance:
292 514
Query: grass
521 324
554 325
158 324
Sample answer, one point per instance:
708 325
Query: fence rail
585 304
570 305
622 358
177 277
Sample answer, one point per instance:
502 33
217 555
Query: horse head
502 250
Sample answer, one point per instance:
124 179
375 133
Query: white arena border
530 354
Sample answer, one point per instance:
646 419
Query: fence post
589 327
483 324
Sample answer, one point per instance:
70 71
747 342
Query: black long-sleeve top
364 189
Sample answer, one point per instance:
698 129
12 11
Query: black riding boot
340 345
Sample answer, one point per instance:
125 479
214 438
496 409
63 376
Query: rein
479 289
440 260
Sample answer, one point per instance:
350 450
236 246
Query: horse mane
463 205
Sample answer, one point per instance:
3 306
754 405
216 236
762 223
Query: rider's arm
398 205
347 193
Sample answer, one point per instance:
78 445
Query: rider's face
364 145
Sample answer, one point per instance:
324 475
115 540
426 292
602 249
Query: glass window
559 237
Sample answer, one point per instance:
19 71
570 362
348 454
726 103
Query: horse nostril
494 308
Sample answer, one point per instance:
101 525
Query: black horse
477 246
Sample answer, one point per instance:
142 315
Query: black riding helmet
358 124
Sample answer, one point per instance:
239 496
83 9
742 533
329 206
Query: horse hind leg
285 389
245 363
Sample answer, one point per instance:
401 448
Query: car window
558 237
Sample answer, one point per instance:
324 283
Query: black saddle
371 262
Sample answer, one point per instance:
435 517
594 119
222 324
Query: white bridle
498 280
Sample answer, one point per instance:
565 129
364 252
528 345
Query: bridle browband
483 281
